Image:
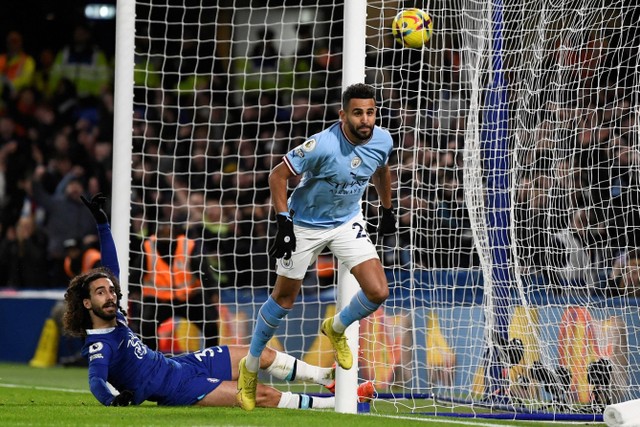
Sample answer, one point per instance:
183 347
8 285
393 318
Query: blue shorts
200 373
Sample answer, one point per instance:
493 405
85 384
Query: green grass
60 397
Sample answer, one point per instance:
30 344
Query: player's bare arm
381 180
278 184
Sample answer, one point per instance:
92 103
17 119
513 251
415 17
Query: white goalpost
515 274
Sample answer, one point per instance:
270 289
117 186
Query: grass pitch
60 397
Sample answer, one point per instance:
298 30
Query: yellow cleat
247 383
342 352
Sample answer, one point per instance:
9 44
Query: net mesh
514 274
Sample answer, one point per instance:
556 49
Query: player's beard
363 133
99 312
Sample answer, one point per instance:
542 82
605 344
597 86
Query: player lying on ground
118 357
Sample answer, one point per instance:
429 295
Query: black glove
387 225
123 399
285 242
96 206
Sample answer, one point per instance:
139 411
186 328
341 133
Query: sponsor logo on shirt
138 348
213 380
96 356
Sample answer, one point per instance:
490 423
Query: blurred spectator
176 281
625 275
84 65
263 69
66 218
42 75
81 255
23 256
17 68
576 255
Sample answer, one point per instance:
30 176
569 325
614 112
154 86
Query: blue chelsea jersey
130 364
335 174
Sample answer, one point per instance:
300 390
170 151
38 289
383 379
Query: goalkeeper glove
96 206
387 224
285 242
123 399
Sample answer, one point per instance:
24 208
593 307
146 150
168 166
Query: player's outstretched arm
108 254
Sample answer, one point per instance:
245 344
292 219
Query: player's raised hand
123 399
96 206
285 242
387 225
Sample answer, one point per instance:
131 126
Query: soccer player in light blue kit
118 357
325 210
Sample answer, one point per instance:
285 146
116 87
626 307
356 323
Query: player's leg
269 317
283 366
288 283
354 249
266 397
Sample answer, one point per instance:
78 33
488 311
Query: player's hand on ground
285 242
123 399
387 222
96 206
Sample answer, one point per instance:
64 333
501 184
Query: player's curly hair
76 318
358 91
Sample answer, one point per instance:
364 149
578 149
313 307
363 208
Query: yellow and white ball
412 28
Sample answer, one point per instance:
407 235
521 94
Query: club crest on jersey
95 347
309 145
355 162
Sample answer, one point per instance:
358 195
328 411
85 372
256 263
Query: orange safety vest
164 282
90 258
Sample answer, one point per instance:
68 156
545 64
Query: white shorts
349 243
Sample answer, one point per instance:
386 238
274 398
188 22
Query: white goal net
516 268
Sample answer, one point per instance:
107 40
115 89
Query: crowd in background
202 155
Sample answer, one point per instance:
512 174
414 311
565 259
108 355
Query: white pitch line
33 387
441 420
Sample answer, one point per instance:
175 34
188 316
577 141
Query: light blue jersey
335 174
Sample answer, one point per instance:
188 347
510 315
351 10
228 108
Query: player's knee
378 294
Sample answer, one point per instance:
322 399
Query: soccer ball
177 335
412 28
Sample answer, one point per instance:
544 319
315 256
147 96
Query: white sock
252 363
288 368
304 401
310 373
324 402
282 367
338 326
289 400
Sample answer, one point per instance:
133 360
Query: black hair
358 91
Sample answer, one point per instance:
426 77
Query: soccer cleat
342 352
247 383
366 391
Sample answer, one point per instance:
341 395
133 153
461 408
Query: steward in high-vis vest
169 281
176 282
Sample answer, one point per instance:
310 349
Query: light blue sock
269 317
359 307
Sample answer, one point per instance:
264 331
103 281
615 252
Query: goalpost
514 276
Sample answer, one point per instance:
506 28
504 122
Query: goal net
515 271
